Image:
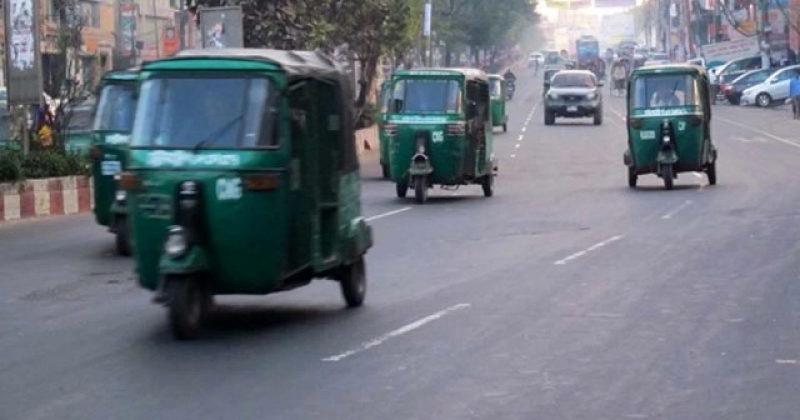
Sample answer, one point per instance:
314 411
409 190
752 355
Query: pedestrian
794 94
792 56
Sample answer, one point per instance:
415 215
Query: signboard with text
23 54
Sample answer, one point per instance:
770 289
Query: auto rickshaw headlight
121 194
665 139
177 242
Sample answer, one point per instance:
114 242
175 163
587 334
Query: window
418 96
116 108
219 112
757 77
80 117
573 80
90 11
495 88
665 91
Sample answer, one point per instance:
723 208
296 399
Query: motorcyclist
509 76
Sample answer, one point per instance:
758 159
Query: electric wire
734 24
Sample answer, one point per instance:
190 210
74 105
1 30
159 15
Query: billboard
23 54
127 28
221 27
614 3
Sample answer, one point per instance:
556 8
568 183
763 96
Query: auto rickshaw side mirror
397 105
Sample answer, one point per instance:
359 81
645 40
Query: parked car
774 89
731 70
733 89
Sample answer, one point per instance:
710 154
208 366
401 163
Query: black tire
669 176
385 171
354 283
122 237
188 304
420 189
505 128
763 100
401 188
487 184
549 118
632 178
598 116
711 172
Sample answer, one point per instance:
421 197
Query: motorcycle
510 87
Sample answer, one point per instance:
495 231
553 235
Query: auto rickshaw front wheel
353 283
421 189
669 176
188 304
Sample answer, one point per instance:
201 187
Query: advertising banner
221 27
23 54
614 3
127 29
731 50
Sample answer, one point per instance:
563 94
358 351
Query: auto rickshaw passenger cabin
244 178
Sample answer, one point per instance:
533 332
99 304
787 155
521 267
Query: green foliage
39 164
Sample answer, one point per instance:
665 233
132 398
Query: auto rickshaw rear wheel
353 283
401 188
487 183
188 304
385 171
421 189
669 176
632 178
122 237
711 172
505 128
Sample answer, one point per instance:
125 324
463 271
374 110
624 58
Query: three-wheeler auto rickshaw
243 178
440 130
79 117
669 123
382 138
497 91
113 122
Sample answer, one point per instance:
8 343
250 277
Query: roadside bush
39 164
10 166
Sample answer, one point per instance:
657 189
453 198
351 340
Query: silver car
574 94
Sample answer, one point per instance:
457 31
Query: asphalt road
565 296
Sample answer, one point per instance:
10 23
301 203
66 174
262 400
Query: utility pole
427 31
182 18
155 28
764 33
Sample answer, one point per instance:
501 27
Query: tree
62 69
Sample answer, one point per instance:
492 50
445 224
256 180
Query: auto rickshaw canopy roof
467 73
671 68
122 75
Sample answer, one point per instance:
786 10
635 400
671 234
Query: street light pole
427 30
182 25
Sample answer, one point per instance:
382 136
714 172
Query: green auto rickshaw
111 133
497 91
243 178
440 130
383 139
669 123
549 72
79 117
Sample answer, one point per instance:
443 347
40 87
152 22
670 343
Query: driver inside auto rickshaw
665 95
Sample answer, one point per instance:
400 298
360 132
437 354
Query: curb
46 197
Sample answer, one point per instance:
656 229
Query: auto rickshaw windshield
495 88
116 108
572 80
79 117
418 96
219 112
660 91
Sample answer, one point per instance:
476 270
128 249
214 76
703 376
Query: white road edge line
589 249
398 332
524 128
675 211
520 137
763 133
387 214
513 156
